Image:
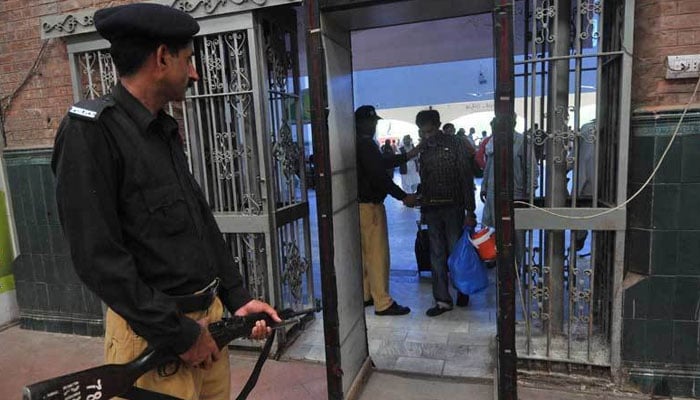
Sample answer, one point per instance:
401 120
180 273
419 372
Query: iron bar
572 273
200 132
570 57
571 70
556 163
188 140
100 63
211 128
530 283
284 94
319 123
523 282
256 186
305 222
88 72
503 174
623 129
596 172
542 296
226 134
231 55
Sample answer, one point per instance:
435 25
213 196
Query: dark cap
145 20
428 116
366 112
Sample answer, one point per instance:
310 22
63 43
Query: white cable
646 184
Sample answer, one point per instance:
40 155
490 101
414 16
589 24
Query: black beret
366 112
144 20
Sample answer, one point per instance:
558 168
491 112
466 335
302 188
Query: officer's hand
482 196
410 200
204 351
261 330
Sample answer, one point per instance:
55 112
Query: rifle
111 380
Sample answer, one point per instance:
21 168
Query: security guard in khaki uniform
141 233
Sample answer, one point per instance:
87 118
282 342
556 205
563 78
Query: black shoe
369 302
394 309
462 299
437 310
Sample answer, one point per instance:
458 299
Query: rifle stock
107 381
97 383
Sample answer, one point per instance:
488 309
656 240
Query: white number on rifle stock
72 391
98 391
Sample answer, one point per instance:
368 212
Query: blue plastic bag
467 270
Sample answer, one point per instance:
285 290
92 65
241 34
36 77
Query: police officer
373 185
141 233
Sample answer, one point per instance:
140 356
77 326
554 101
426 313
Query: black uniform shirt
138 225
373 182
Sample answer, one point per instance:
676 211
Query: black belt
199 301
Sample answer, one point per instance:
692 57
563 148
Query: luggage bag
422 249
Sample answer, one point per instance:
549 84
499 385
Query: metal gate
574 73
243 134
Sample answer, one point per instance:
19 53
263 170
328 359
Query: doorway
397 70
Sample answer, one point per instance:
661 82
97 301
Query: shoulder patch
90 109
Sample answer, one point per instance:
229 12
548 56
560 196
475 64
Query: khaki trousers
375 255
123 345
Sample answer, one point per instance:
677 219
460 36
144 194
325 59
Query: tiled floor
459 343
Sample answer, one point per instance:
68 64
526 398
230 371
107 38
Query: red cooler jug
484 241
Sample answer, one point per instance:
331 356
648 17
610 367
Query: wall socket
683 67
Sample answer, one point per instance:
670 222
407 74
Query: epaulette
91 110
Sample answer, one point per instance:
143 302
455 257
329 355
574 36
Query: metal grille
569 75
220 139
96 73
288 172
249 255
247 155
221 124
283 102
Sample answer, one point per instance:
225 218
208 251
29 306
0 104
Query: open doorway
399 70
348 333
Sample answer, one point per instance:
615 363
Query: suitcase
422 249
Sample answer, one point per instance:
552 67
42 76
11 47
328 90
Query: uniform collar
140 114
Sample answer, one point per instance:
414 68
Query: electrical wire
644 186
32 71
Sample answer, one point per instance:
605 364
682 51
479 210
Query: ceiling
393 33
445 40
364 14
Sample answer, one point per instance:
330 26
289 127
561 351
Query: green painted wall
50 295
661 331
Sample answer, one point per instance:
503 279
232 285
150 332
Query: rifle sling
136 393
253 379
